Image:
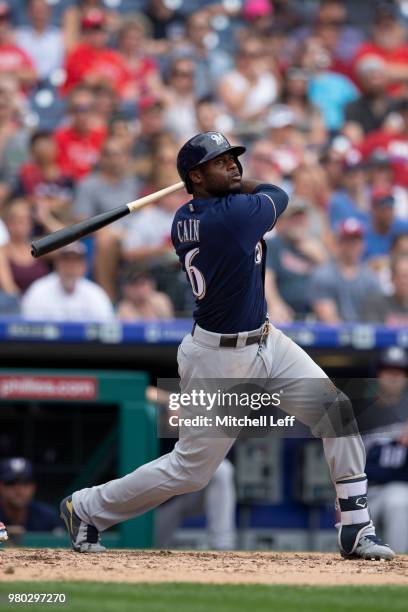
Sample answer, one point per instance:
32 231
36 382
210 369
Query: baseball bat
69 234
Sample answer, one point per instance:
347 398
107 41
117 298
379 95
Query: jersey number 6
194 275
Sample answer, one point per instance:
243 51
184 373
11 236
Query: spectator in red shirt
92 61
143 69
13 60
392 140
79 144
389 43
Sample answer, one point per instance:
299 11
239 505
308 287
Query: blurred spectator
340 287
383 227
288 144
388 43
331 162
381 175
211 118
121 129
92 61
368 112
74 13
217 501
260 15
41 180
202 46
142 68
253 85
262 164
13 138
332 26
146 240
24 268
106 104
328 90
353 198
40 40
110 185
290 260
80 142
180 99
65 295
8 297
140 299
387 452
167 23
18 508
308 118
13 60
150 127
391 309
392 139
309 182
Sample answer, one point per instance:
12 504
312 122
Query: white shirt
4 235
260 95
46 300
149 227
46 50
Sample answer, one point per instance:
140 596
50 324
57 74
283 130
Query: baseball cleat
85 538
361 542
3 532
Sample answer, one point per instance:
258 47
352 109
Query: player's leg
220 503
189 467
313 400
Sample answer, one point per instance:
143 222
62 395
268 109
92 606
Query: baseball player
218 237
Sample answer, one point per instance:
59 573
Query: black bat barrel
69 234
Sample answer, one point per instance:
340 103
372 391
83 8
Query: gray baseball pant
194 459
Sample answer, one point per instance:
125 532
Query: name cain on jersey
188 230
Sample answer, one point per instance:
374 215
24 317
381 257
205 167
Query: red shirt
12 59
78 153
106 63
391 56
396 147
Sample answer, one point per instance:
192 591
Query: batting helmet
200 149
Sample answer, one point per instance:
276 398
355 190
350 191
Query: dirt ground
207 567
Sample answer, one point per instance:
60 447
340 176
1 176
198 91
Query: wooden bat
69 234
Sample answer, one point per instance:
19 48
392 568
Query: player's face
219 176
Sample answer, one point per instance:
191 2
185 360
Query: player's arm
253 214
277 198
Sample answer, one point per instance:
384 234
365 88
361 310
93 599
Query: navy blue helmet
200 149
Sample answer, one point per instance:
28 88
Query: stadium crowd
97 97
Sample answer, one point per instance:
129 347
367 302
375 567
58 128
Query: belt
232 340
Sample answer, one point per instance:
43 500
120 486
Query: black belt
232 341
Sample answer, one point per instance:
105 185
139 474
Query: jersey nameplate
188 230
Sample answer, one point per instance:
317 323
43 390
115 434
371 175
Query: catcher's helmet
200 149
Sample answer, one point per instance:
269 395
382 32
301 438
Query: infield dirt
205 567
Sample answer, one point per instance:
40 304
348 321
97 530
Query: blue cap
15 468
